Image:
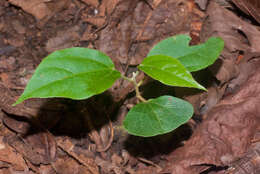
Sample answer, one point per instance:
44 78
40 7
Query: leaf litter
61 140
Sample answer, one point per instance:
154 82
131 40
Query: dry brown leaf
107 7
7 154
46 169
131 17
16 41
108 167
66 166
64 39
97 21
8 98
39 148
225 70
239 36
231 29
95 3
250 7
202 3
37 8
249 163
67 146
17 25
21 126
227 131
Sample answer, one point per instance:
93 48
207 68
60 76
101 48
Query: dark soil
49 136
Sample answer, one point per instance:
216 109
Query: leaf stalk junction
136 85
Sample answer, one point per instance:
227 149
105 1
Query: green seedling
79 73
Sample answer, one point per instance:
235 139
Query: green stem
136 85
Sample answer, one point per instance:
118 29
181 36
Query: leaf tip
19 100
202 88
16 103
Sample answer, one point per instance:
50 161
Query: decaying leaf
122 35
68 165
37 8
38 148
239 36
107 7
202 3
67 146
97 21
40 8
250 7
95 3
64 39
229 127
236 115
248 163
225 70
14 160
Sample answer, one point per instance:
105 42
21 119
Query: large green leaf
76 73
194 58
168 71
157 116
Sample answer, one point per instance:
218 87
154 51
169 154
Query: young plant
79 73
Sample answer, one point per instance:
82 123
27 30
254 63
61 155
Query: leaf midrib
155 115
168 72
67 77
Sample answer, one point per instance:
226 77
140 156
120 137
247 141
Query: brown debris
38 149
21 127
18 27
64 39
225 70
7 100
248 163
95 3
250 7
15 161
41 9
202 3
107 7
228 26
69 166
168 18
126 30
223 23
236 115
219 141
67 146
97 21
16 42
37 8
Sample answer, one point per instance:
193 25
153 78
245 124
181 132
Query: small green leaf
157 116
168 71
194 58
76 73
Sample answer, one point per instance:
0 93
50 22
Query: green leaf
168 71
194 58
76 73
157 116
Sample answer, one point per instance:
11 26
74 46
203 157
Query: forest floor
85 137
